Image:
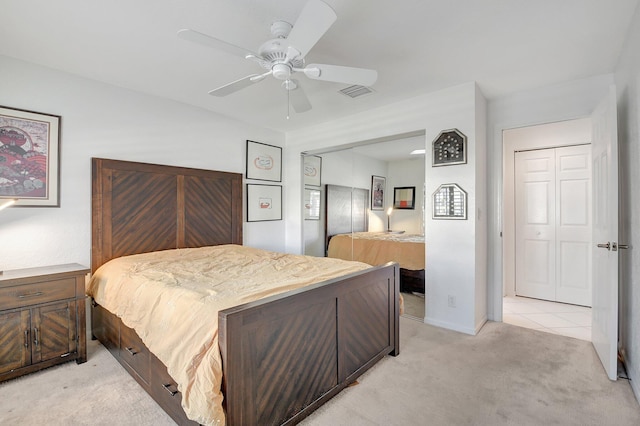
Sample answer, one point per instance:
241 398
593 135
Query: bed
346 236
282 356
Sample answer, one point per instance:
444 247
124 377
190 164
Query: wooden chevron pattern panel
139 207
143 212
294 372
207 199
55 324
12 328
365 325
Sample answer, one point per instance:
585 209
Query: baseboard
450 326
480 324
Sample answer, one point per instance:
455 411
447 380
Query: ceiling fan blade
338 74
314 20
207 40
233 87
298 98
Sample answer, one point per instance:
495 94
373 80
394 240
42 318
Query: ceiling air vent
356 91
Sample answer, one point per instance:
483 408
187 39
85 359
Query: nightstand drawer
32 294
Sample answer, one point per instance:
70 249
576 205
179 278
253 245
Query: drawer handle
34 294
35 336
131 351
172 392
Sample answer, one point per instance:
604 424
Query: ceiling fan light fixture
281 71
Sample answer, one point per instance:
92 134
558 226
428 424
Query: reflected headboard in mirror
345 211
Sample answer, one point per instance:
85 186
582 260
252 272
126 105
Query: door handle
607 246
616 246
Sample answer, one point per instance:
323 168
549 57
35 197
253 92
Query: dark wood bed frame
283 356
346 211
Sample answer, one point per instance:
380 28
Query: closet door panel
573 217
535 224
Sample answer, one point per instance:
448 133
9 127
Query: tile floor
551 317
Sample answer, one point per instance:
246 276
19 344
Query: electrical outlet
451 301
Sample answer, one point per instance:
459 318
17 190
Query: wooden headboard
139 207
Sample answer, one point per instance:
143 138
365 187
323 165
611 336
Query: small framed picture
404 197
29 158
450 202
264 162
312 204
378 184
312 166
264 202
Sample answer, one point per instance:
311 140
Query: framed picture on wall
30 154
404 197
264 162
312 204
378 184
264 202
450 202
312 167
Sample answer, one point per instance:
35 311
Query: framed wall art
312 167
378 184
264 202
449 148
29 157
312 204
264 162
449 202
404 197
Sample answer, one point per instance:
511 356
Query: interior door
535 224
573 225
553 224
604 328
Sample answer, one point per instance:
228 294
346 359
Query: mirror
371 193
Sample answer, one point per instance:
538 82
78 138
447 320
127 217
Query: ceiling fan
283 56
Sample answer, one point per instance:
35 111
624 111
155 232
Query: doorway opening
547 238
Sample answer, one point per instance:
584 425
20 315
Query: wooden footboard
286 355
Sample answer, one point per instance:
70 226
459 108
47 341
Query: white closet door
553 224
573 225
535 193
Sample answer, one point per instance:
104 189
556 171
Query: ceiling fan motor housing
274 51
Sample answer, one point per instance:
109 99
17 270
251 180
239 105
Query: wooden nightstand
42 318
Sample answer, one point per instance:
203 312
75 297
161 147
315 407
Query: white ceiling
417 46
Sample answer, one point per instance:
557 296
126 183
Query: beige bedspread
378 248
172 298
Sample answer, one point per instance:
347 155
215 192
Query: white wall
451 262
455 247
99 120
628 84
566 101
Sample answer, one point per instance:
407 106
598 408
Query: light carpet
505 375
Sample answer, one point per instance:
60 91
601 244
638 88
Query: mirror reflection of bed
351 227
